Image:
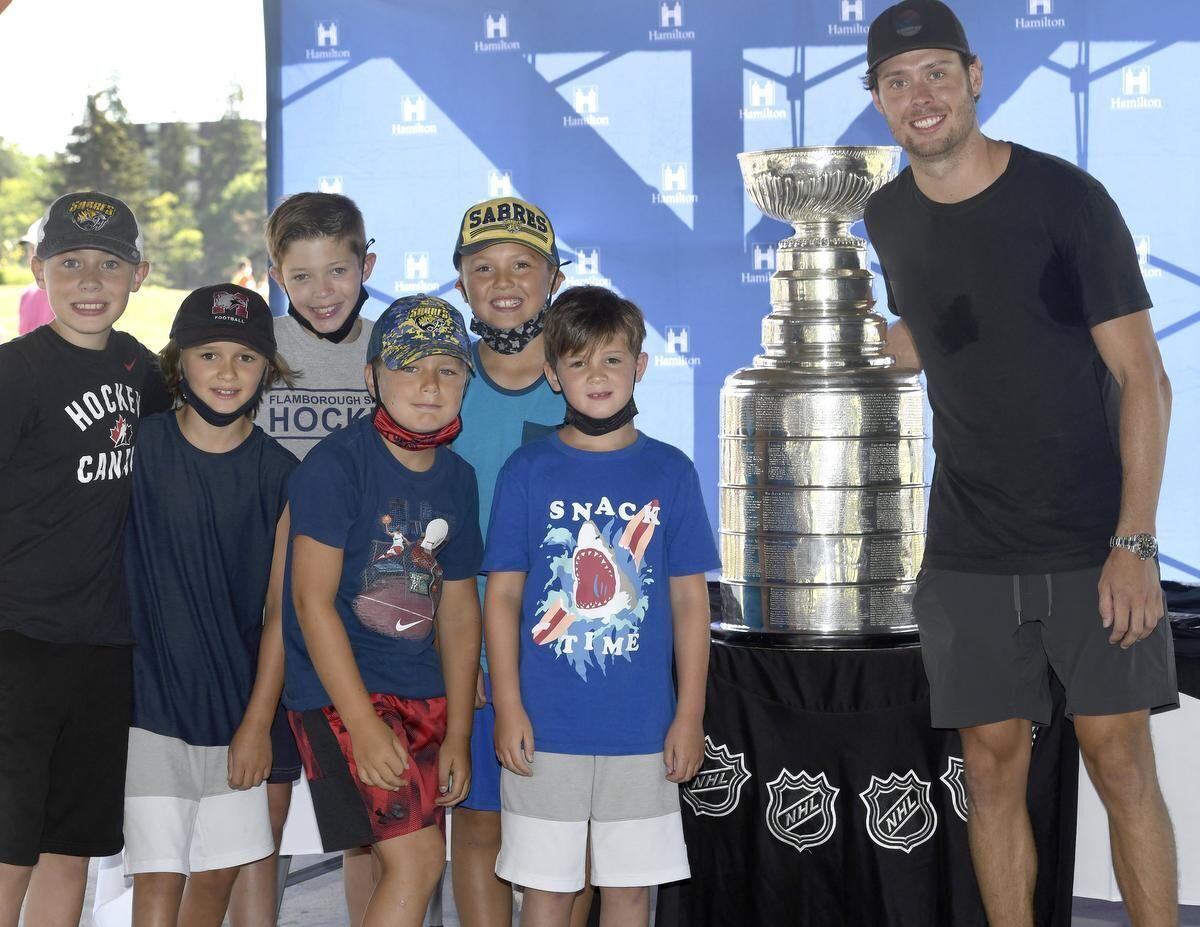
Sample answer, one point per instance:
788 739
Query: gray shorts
624 805
988 642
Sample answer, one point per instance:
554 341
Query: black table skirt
771 842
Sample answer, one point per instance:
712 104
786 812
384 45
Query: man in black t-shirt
1019 294
73 394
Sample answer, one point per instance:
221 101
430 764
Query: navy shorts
485 768
285 758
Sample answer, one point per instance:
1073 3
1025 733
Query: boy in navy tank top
205 548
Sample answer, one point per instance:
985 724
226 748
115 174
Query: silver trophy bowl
822 495
807 185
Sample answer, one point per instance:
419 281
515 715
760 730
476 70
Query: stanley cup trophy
822 493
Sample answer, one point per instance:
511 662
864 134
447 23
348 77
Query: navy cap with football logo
89 220
914 24
417 326
506 219
225 312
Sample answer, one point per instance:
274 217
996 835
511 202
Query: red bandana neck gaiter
413 440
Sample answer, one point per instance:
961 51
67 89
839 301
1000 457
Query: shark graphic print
597 595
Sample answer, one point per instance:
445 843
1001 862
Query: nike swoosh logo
129 365
410 624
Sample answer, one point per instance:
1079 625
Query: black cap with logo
89 220
225 312
914 24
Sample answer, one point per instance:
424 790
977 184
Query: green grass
148 316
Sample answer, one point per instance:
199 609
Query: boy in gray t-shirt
319 255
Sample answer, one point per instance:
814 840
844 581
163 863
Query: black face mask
211 415
595 427
343 330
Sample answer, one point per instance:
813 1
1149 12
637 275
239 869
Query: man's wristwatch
1144 546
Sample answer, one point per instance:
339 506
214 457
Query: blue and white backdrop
623 118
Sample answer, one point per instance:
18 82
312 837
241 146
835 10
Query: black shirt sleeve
1100 261
17 409
887 288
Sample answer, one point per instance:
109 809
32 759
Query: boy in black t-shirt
204 554
73 394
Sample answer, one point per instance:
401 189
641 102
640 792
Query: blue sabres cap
416 326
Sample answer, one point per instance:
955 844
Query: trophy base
737 636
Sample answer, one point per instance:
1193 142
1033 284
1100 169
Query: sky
172 60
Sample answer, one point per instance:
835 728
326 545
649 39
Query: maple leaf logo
121 432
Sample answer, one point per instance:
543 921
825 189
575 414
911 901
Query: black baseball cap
89 220
225 312
914 24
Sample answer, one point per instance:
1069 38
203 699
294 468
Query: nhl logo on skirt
952 779
900 815
717 787
801 810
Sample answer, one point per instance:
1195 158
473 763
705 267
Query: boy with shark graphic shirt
596 553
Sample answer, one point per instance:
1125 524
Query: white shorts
631 808
180 813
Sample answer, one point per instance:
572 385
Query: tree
243 205
174 246
103 153
24 195
178 151
233 191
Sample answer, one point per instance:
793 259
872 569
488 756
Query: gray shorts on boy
627 803
990 641
181 815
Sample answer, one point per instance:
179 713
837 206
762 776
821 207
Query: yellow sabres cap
506 218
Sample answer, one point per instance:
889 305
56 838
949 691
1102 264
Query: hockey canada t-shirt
68 424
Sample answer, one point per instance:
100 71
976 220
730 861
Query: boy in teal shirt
508 265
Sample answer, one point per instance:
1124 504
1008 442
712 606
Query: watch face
1145 546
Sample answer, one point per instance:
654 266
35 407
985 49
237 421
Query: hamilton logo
717 787
801 810
952 779
900 815
121 433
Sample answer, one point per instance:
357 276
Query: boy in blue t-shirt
385 547
204 555
596 553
